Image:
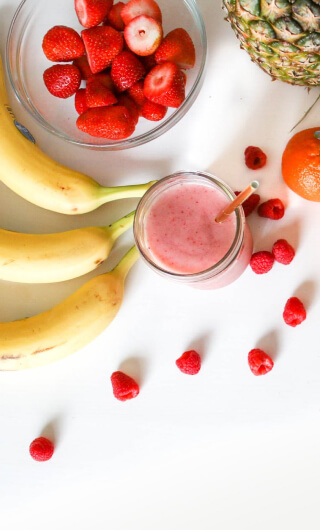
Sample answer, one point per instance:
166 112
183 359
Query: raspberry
189 362
259 362
41 449
249 204
255 158
272 209
261 262
294 312
124 387
283 252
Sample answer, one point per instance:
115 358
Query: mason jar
177 236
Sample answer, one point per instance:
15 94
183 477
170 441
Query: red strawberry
143 35
135 8
149 61
62 80
83 65
178 48
164 84
102 45
104 78
92 12
80 101
62 44
114 18
97 95
126 70
136 93
113 122
126 101
153 111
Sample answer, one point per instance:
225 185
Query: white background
223 449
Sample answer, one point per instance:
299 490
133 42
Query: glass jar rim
151 195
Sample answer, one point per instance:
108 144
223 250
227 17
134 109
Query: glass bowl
26 63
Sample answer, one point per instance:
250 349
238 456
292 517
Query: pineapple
281 36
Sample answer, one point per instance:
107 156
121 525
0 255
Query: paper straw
244 195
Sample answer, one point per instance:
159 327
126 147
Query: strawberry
92 12
136 93
113 123
97 95
80 101
143 35
114 18
102 45
178 48
62 80
83 65
164 84
153 111
126 101
126 70
62 44
104 78
149 61
135 8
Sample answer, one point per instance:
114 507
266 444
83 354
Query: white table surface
224 449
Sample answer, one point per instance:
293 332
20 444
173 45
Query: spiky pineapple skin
281 36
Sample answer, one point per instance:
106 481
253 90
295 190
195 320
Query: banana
68 326
33 175
47 258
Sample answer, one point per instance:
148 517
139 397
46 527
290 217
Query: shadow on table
269 343
6 15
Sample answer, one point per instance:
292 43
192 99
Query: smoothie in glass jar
177 234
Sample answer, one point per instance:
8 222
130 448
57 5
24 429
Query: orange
301 164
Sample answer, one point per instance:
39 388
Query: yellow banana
47 258
33 175
67 327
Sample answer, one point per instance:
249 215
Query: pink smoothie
182 234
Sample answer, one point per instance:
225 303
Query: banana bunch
33 175
43 258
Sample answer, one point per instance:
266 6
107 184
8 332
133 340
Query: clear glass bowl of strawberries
107 74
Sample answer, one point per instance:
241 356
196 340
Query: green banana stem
123 192
117 228
126 262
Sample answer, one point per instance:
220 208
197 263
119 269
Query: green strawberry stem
123 192
120 226
126 263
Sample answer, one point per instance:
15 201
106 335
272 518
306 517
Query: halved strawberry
136 93
114 18
92 12
153 111
143 35
104 78
83 65
126 70
62 44
102 44
164 84
113 123
97 95
126 101
62 80
80 101
135 8
177 47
